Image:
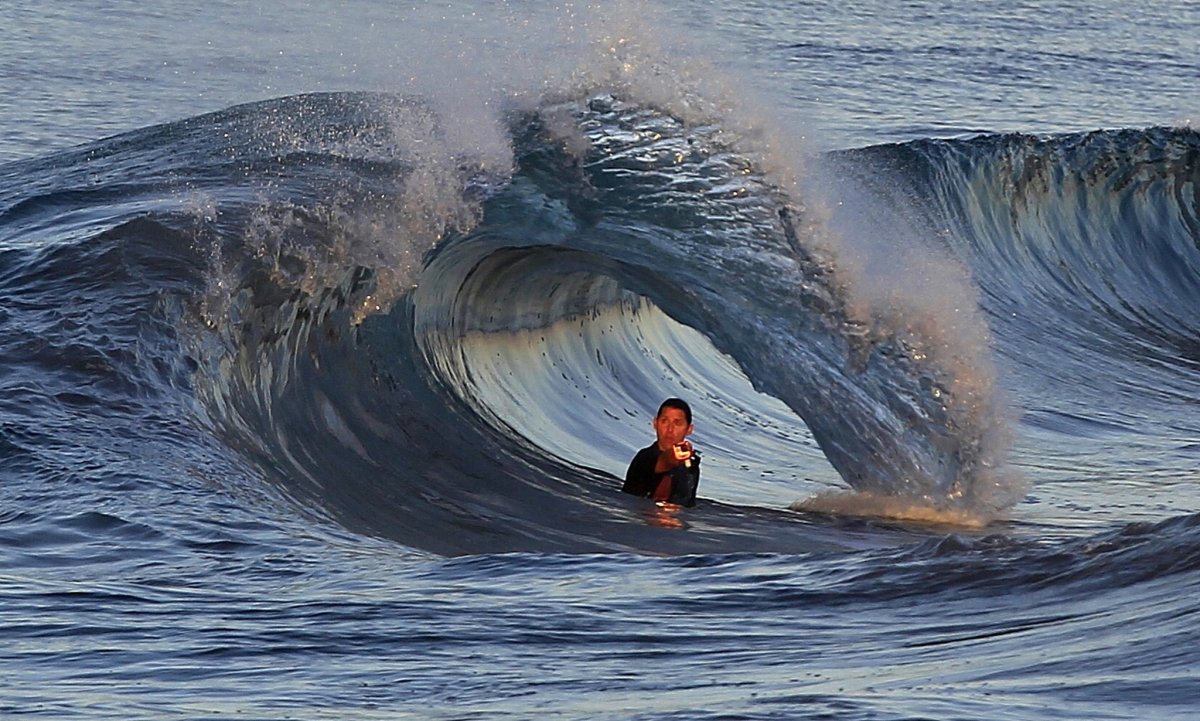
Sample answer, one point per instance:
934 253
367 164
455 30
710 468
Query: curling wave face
460 354
627 257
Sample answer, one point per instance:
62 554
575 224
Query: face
671 427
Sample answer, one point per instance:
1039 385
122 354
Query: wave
1094 234
462 353
581 240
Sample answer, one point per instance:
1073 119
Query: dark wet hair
679 404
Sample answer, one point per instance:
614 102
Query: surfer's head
678 404
673 422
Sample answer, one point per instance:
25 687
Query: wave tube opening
575 364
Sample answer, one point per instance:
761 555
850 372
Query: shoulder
650 451
640 478
644 461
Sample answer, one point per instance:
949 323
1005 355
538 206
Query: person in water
667 470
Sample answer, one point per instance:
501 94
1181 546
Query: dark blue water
327 337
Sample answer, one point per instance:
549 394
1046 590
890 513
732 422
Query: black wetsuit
681 481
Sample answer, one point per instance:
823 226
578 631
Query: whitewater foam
871 505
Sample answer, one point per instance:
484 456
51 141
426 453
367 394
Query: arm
685 481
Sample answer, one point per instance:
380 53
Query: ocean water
329 331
